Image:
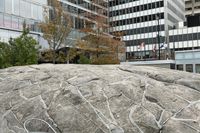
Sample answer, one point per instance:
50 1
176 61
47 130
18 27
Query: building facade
192 7
140 21
185 38
13 13
188 61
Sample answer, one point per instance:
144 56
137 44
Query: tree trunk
68 57
54 53
54 57
97 49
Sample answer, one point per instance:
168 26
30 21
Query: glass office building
13 13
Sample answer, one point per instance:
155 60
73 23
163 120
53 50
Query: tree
83 59
119 45
5 55
22 50
102 46
72 53
56 28
63 55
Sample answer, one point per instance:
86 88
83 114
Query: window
149 6
40 13
157 4
2 5
189 67
145 7
22 9
138 8
179 67
189 36
16 7
153 5
8 6
195 36
180 38
34 11
161 4
185 37
145 18
171 39
197 68
176 38
15 23
27 9
21 21
7 21
1 19
198 35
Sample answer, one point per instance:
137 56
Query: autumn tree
119 45
102 46
57 27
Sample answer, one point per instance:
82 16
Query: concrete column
193 5
184 67
194 68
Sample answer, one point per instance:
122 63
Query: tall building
140 21
192 7
13 13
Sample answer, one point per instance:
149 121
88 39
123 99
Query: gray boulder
98 99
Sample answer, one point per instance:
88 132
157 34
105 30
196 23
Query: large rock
98 99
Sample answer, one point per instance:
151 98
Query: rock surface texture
99 99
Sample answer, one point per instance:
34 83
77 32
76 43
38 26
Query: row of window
137 8
119 2
188 67
13 22
96 2
143 30
137 55
137 19
175 38
85 5
22 8
184 37
137 42
148 55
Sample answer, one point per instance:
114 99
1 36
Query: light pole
158 28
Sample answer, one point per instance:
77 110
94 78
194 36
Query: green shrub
5 55
19 51
84 60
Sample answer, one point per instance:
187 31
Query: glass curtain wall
14 12
83 14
